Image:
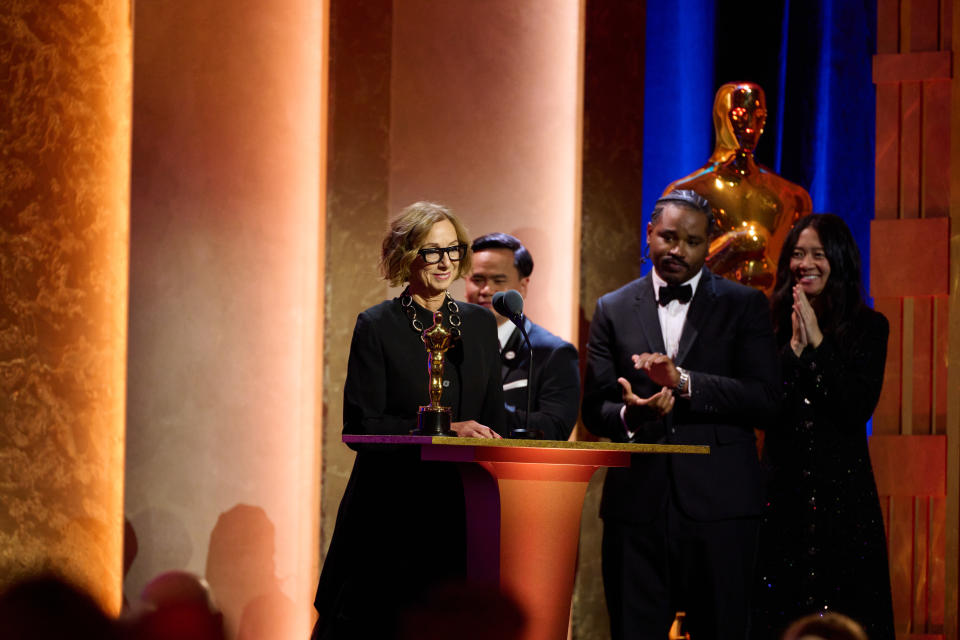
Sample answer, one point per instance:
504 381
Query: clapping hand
658 367
806 329
661 402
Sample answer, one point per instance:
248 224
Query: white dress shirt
504 331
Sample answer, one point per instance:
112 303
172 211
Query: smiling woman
809 264
386 383
822 543
437 263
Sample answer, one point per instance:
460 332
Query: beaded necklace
406 302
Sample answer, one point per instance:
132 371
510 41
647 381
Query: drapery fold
813 60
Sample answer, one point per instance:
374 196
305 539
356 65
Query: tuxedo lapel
646 305
513 352
700 306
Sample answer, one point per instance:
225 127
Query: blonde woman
400 528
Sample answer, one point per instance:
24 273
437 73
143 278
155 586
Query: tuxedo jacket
555 388
728 347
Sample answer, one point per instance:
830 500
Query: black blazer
387 372
728 347
555 389
394 502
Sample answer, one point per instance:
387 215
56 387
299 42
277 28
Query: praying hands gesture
806 330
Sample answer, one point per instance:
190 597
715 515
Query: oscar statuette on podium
434 419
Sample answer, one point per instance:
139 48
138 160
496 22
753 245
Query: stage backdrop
813 60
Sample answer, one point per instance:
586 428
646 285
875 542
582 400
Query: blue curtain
678 94
829 107
814 61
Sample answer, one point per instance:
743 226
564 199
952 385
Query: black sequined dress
822 542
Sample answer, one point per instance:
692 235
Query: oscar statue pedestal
524 499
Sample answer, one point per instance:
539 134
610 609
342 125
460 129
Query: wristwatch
683 386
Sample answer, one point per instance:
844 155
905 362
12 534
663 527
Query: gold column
64 227
358 154
610 247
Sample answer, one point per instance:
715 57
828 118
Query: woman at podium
401 525
822 542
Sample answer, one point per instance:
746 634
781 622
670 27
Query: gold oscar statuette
434 419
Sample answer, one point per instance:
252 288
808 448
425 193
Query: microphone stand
517 319
509 304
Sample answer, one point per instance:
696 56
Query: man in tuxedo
681 356
501 262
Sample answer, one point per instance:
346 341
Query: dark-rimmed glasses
433 255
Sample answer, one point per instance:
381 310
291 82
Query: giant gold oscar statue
754 207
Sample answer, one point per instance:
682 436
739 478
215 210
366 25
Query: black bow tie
680 293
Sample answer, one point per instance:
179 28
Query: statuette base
433 421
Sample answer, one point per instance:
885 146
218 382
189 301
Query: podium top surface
534 444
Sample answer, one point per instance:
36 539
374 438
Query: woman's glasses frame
433 255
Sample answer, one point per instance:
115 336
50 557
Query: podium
523 500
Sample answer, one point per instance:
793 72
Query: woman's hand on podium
473 429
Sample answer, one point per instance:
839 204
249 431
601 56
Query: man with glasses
501 262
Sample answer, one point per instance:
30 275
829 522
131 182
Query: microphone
509 304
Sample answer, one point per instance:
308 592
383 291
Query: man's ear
523 286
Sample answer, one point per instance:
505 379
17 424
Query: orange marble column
486 118
418 114
64 225
227 240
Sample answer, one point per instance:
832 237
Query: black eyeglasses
434 255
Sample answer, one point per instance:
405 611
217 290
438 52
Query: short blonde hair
406 235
